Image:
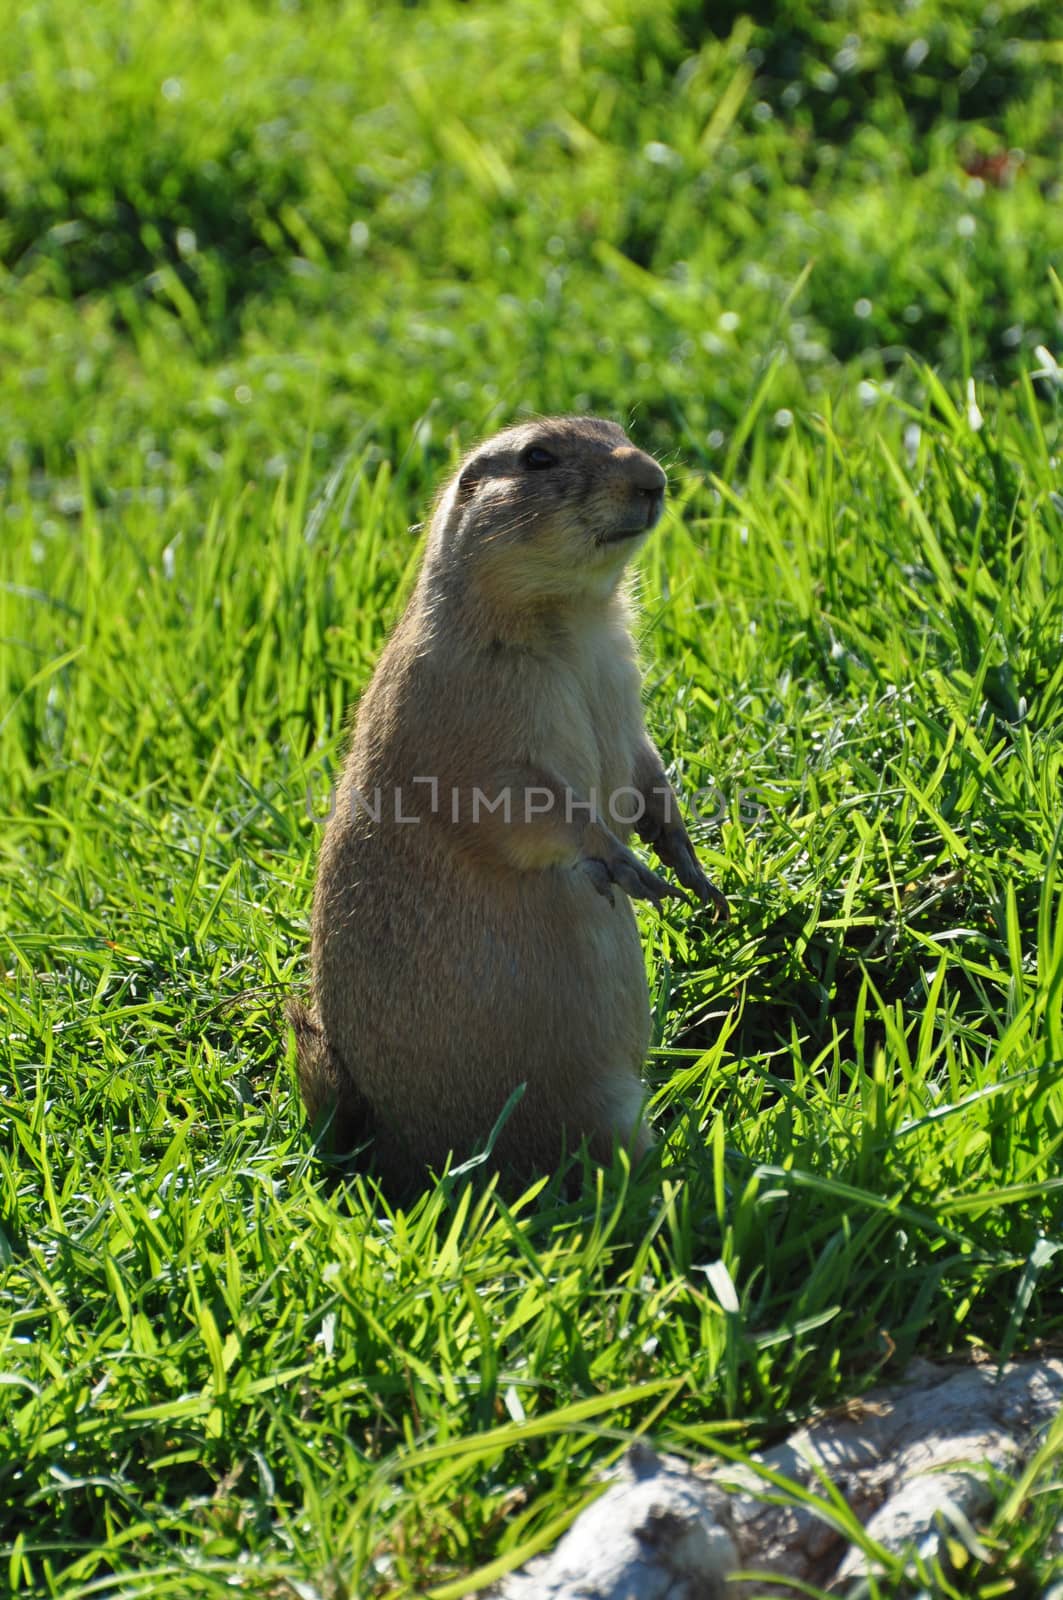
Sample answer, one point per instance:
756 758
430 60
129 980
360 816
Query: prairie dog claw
637 880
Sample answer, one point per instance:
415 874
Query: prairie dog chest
588 716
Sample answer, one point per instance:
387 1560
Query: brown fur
455 960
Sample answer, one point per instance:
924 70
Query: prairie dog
472 924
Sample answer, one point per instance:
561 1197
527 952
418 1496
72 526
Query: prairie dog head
546 511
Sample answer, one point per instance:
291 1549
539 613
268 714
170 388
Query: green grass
266 271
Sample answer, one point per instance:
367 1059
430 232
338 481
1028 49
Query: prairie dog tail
331 1100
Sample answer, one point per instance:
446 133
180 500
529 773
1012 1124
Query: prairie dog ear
450 503
471 474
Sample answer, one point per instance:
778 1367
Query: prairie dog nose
640 469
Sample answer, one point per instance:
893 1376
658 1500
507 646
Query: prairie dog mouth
645 514
654 506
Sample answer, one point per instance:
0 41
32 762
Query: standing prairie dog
472 924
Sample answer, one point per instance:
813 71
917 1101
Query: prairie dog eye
536 459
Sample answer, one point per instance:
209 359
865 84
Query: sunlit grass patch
224 1363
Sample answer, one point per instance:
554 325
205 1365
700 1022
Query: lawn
266 270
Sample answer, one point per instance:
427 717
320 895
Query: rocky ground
894 1484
